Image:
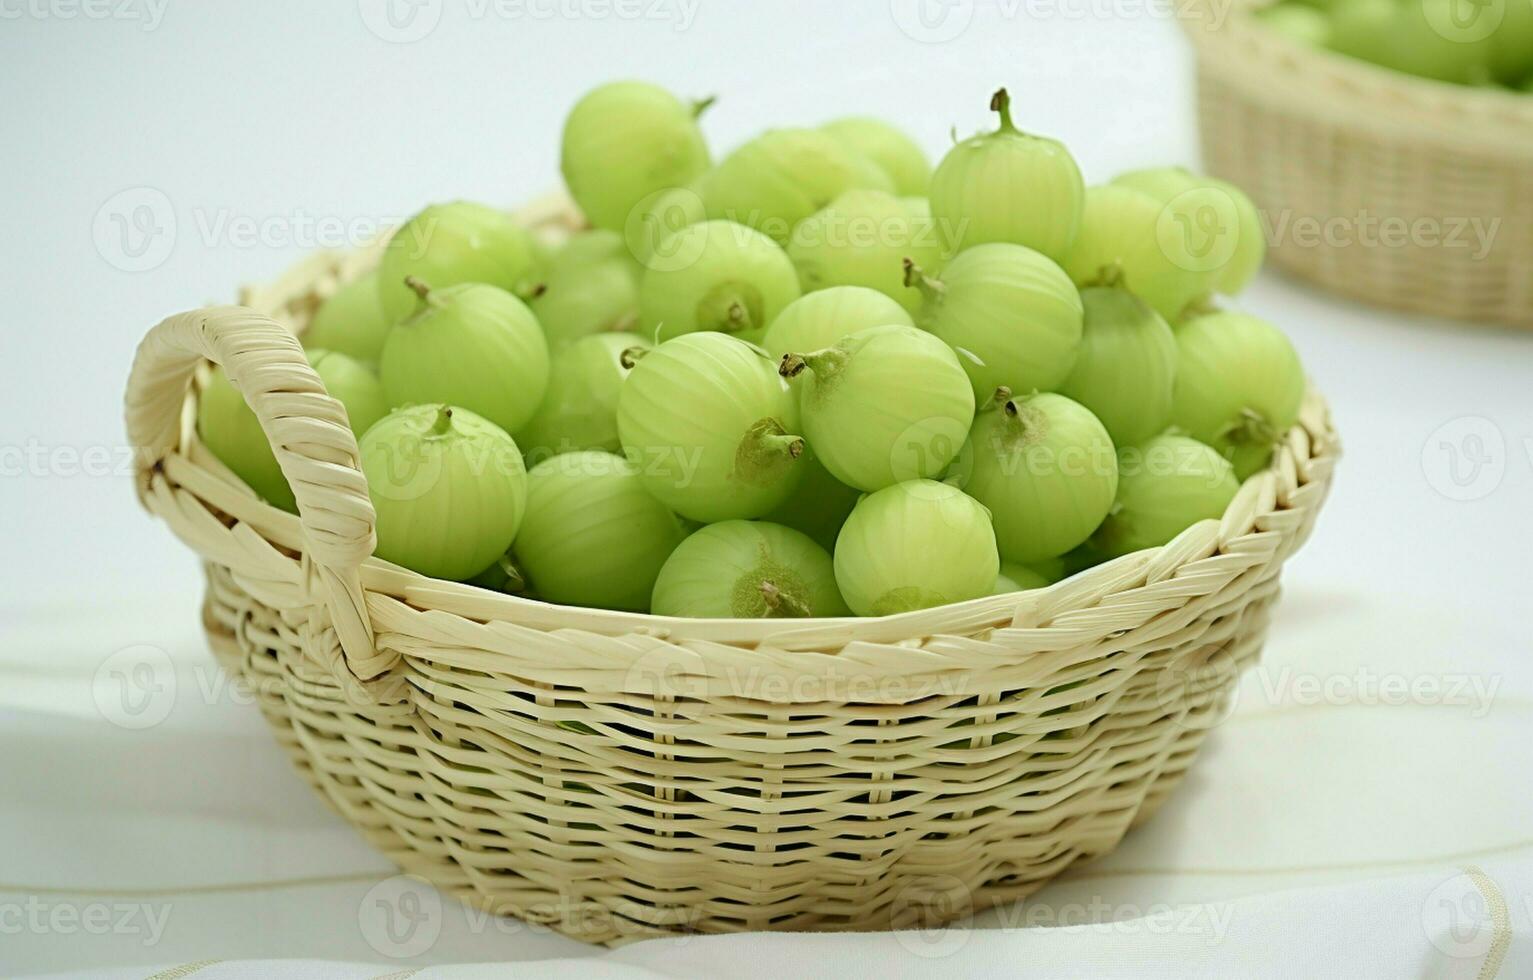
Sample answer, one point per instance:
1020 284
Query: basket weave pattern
1316 137
615 775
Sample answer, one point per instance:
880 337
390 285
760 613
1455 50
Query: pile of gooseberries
1482 43
819 377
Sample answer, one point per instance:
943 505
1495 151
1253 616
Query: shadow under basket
615 776
1399 191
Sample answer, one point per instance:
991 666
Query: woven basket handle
309 434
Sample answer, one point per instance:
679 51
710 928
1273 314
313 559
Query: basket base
402 782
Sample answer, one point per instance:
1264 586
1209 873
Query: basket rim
1273 67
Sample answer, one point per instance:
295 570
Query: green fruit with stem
1045 468
736 282
591 286
625 140
472 343
1013 316
351 321
782 177
448 244
748 570
887 146
448 487
579 409
1125 372
821 318
1008 186
884 405
1164 487
228 427
863 238
593 536
915 545
1238 387
711 427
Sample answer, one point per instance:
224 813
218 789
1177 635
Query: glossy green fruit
1167 256
1220 220
625 140
915 545
821 318
1008 186
1368 30
1126 369
1019 578
579 410
447 244
863 238
1239 384
591 286
1013 316
474 344
737 282
228 427
1448 40
1164 486
351 322
1045 468
780 178
449 489
711 427
593 536
887 146
883 405
818 505
1511 55
748 570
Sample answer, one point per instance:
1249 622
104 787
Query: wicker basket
1372 180
615 775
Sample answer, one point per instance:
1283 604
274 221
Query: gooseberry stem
419 286
442 423
782 605
528 292
700 106
823 363
1001 102
1110 275
1253 429
915 278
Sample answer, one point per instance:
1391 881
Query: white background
221 116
